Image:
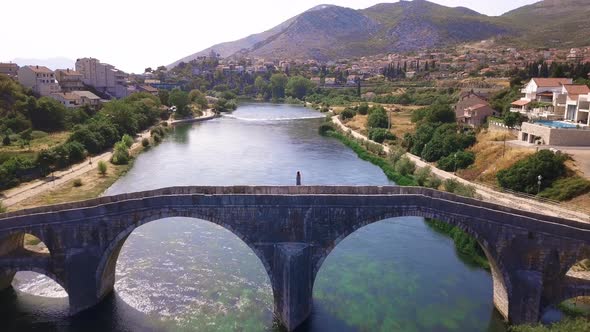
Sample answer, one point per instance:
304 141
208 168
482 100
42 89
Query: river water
181 274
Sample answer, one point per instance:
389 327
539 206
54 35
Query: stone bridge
292 230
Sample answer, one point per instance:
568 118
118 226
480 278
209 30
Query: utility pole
504 148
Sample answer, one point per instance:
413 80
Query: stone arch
46 273
13 248
500 276
17 241
105 273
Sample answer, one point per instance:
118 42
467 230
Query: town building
103 77
9 69
473 109
67 99
69 80
87 98
38 78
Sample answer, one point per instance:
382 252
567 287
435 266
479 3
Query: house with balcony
87 98
38 78
572 94
69 80
542 97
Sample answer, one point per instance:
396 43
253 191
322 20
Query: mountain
551 23
330 32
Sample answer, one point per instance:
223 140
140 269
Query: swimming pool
556 124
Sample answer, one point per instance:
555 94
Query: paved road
487 194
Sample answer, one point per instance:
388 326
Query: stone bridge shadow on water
292 230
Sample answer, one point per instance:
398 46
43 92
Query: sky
135 34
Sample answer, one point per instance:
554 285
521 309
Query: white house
67 99
548 95
38 78
572 94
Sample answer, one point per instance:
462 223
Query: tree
512 119
163 95
298 87
181 100
122 115
260 85
47 114
197 97
121 154
278 82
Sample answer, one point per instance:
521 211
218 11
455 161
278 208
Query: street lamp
540 178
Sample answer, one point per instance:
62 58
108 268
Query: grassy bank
466 245
384 164
93 185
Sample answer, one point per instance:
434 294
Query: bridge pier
6 280
80 283
292 283
525 298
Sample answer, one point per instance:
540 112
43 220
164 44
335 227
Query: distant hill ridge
329 32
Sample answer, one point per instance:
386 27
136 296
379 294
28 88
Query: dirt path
487 194
37 187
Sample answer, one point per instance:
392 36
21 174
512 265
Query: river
181 274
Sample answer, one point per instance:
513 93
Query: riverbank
60 187
483 192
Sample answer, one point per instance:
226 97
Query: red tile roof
550 82
576 89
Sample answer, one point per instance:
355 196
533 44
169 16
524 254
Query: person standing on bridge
298 178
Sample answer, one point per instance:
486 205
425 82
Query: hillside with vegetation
330 32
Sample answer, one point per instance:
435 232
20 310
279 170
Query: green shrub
378 118
127 140
405 166
422 175
395 154
102 168
6 141
379 135
145 142
457 160
325 128
456 187
77 183
566 188
157 138
2 208
363 109
121 154
523 176
347 114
